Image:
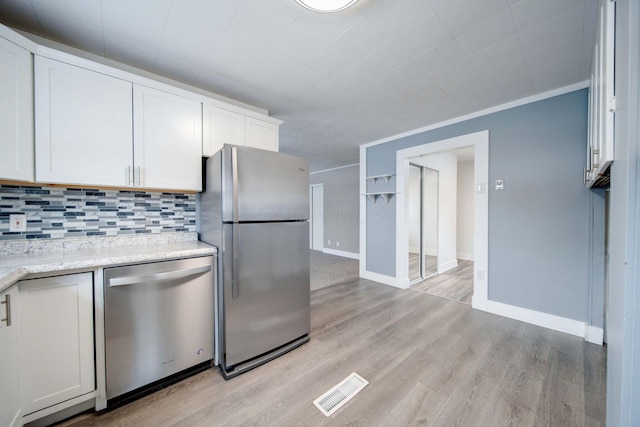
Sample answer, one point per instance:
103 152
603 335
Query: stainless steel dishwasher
158 321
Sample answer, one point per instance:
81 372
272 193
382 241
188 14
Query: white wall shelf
384 195
374 178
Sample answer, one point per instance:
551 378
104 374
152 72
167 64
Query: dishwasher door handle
168 275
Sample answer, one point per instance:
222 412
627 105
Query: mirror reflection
423 222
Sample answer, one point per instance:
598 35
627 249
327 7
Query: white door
317 217
167 148
83 126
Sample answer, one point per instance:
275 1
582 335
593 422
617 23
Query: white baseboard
550 321
344 254
446 266
382 278
594 334
464 256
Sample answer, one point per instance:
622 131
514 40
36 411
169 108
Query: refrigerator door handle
234 171
234 267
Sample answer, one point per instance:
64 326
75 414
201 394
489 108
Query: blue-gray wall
623 319
538 226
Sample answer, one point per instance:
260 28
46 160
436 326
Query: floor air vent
333 400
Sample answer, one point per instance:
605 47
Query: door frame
480 142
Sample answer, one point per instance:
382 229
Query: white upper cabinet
602 98
167 140
16 112
222 126
261 134
95 129
83 126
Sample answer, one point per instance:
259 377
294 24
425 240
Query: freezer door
269 306
262 185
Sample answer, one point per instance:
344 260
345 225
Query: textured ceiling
338 80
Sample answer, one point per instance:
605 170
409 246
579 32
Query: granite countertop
19 259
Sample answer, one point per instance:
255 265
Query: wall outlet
328 242
337 244
17 222
479 274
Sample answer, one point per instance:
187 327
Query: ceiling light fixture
326 6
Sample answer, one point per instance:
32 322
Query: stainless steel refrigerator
255 210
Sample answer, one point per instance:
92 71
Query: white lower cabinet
56 340
10 405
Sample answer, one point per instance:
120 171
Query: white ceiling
338 80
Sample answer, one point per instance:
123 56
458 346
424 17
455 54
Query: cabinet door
221 127
167 140
261 134
83 125
56 339
16 112
10 413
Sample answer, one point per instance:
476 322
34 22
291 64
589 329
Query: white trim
382 278
344 254
332 169
550 321
17 38
446 266
502 107
480 142
464 256
363 212
593 334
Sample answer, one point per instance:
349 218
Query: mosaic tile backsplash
54 213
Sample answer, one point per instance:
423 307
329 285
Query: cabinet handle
139 173
129 175
7 303
156 277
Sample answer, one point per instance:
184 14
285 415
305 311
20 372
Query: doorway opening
316 217
476 271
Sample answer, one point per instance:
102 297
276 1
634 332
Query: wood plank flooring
328 270
455 284
429 361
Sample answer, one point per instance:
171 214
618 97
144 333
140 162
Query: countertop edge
100 258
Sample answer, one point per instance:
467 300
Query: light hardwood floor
455 284
429 361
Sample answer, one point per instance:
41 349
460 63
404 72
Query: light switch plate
17 222
499 184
